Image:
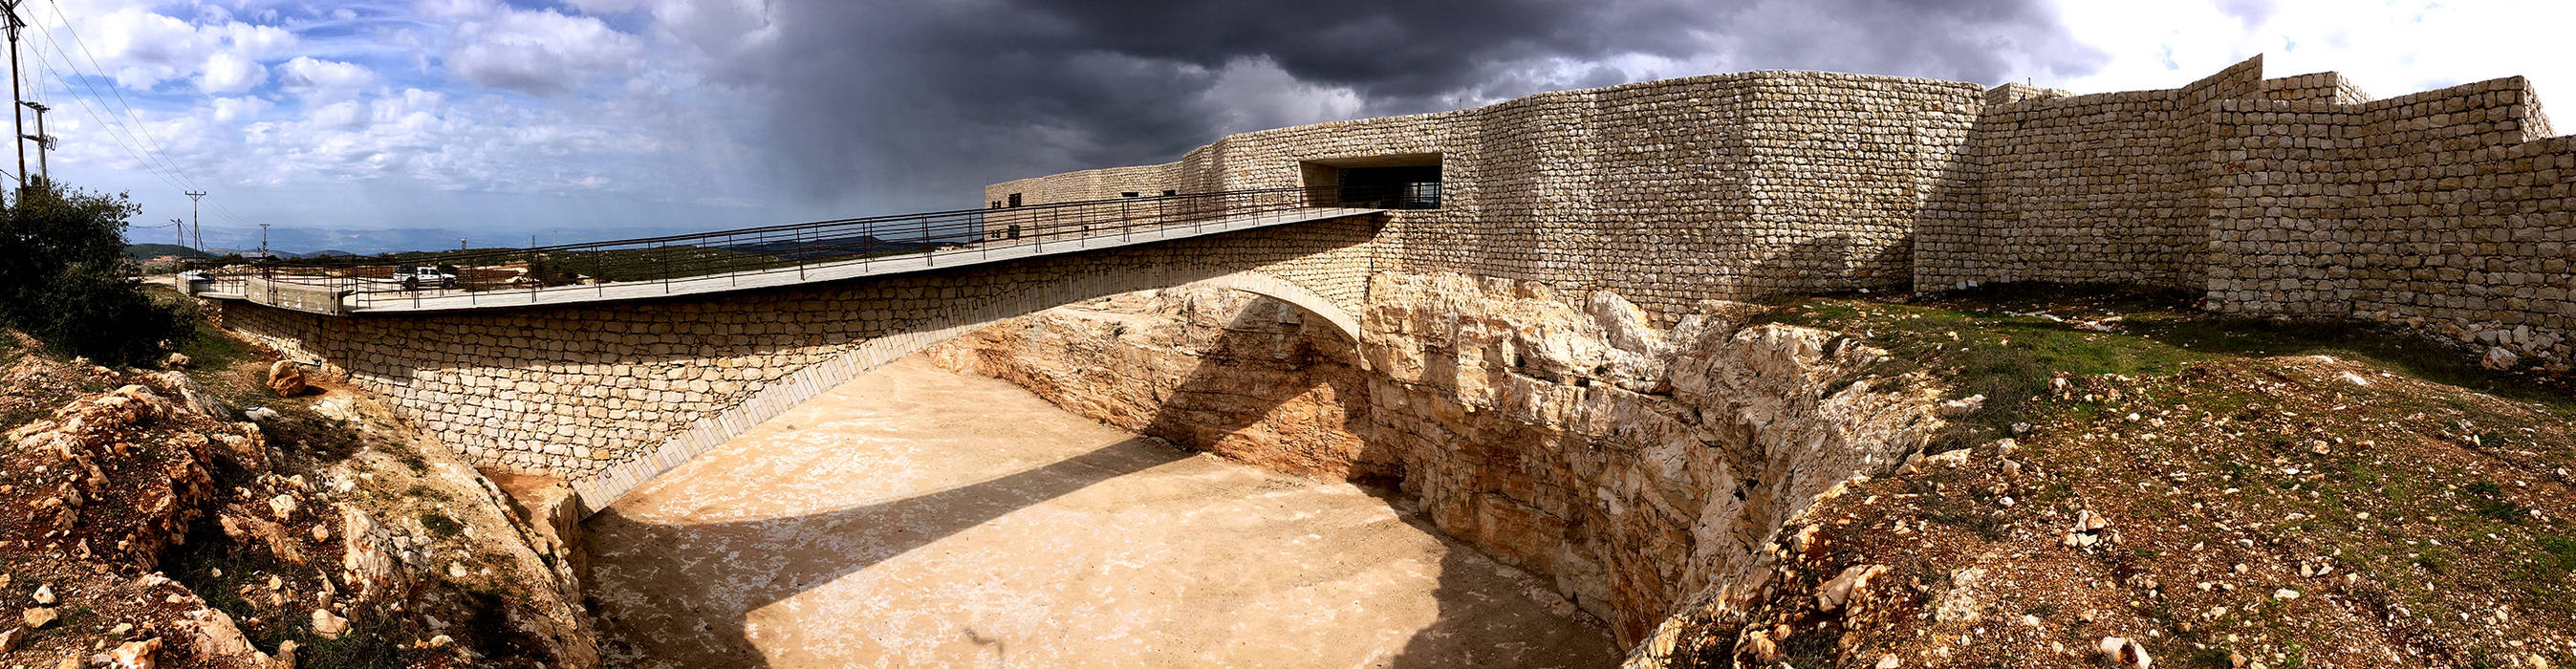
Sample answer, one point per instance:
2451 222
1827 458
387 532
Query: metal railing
931 236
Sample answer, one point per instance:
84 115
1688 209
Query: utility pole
183 231
193 197
16 118
263 239
44 142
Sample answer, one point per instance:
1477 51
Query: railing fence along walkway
763 255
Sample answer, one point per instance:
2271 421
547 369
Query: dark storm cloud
902 104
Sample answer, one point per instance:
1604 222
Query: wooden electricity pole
44 142
17 118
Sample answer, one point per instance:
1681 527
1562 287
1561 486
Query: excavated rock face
113 480
1222 371
1632 465
118 476
159 533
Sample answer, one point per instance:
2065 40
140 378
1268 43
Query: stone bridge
611 385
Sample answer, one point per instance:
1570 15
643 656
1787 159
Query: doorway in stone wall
1391 181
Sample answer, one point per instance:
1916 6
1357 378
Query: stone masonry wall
1669 192
1102 184
610 394
2444 209
2447 209
2090 188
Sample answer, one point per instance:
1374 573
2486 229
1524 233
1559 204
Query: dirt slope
2202 499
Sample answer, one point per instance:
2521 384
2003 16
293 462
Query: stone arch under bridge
611 394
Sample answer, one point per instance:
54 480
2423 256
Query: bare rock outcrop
1630 464
287 379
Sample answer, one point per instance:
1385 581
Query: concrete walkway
917 517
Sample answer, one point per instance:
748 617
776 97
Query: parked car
415 277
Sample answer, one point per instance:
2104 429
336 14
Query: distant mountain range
150 251
376 242
825 247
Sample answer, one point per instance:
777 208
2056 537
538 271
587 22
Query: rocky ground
2144 486
195 517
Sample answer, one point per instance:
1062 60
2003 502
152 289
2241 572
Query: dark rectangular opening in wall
1015 199
1395 181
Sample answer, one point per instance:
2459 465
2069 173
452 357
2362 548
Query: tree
64 277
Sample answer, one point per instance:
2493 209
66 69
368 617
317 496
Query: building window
1169 192
1127 194
1015 199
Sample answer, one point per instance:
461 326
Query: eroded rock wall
1560 432
1223 371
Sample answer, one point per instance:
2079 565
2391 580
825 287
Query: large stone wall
610 394
2286 197
2089 188
1669 192
2447 208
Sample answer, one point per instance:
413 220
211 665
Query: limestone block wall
610 394
2314 87
2090 188
1669 192
2448 208
1101 184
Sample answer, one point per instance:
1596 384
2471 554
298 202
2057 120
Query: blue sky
381 124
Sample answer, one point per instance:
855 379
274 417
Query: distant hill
150 251
826 247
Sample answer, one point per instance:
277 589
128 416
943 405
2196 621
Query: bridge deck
322 299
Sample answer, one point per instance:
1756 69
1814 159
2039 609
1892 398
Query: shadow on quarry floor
1042 539
915 521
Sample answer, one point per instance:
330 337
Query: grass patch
439 524
1987 341
2490 502
1945 500
2558 553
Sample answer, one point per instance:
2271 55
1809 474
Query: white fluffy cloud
323 79
541 52
227 72
141 48
2388 47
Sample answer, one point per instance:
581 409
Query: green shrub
64 278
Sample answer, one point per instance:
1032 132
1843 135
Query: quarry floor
919 517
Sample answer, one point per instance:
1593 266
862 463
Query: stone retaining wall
610 394
2287 197
2090 188
2447 209
1669 192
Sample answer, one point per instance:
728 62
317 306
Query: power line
127 137
106 117
168 169
105 121
155 143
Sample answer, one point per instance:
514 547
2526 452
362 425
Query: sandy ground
917 517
